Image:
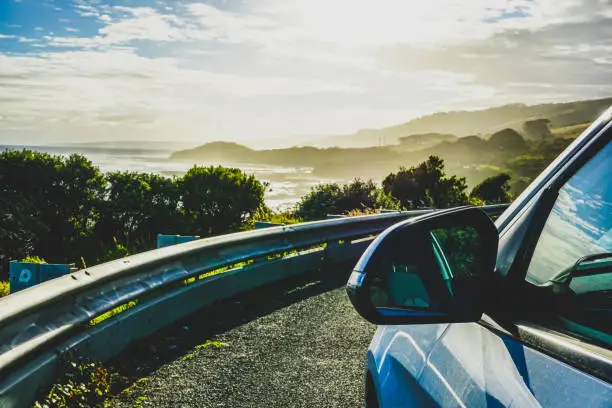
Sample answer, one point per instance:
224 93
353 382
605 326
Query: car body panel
468 365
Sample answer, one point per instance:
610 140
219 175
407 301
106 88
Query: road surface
298 343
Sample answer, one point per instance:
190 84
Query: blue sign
167 240
23 275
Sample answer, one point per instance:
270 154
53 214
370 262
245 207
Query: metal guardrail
75 314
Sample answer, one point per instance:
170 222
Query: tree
321 200
528 165
61 194
20 228
335 199
138 207
77 197
507 140
537 129
493 190
217 200
426 185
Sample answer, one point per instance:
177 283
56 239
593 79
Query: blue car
511 313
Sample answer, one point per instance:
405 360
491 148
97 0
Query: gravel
294 344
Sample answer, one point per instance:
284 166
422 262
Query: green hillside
478 122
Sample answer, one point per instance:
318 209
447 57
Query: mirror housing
436 268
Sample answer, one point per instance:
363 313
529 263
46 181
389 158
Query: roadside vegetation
65 210
83 384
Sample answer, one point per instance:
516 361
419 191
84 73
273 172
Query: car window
572 260
580 222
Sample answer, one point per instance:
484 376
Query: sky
247 70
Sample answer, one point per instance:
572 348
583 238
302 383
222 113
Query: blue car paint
468 365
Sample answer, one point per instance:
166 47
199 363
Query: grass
139 401
570 131
212 344
119 309
82 384
5 288
188 357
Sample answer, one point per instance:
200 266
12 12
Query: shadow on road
145 356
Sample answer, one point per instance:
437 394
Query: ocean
287 184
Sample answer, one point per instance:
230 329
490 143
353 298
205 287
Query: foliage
476 201
537 129
570 131
83 384
51 202
218 199
65 210
507 140
266 214
33 259
20 227
285 217
426 185
139 401
137 205
528 165
5 288
116 251
326 199
212 344
358 212
494 190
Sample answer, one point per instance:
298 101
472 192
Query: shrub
493 190
5 289
33 259
335 199
426 185
115 252
217 200
84 384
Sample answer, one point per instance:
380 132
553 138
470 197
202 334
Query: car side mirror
435 268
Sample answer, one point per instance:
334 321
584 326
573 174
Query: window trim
546 200
557 167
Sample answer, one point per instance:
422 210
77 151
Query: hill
477 122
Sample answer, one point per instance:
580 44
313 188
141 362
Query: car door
555 352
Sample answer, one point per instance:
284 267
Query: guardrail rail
97 312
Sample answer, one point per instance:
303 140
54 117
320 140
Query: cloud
275 67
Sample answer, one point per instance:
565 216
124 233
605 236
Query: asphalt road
294 344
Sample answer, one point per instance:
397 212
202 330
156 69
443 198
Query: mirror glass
427 271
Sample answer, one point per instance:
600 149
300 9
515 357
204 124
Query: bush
426 185
84 384
5 289
33 259
335 199
367 211
278 217
507 140
217 200
52 204
65 210
117 251
493 190
137 206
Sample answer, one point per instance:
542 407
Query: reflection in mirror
427 272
